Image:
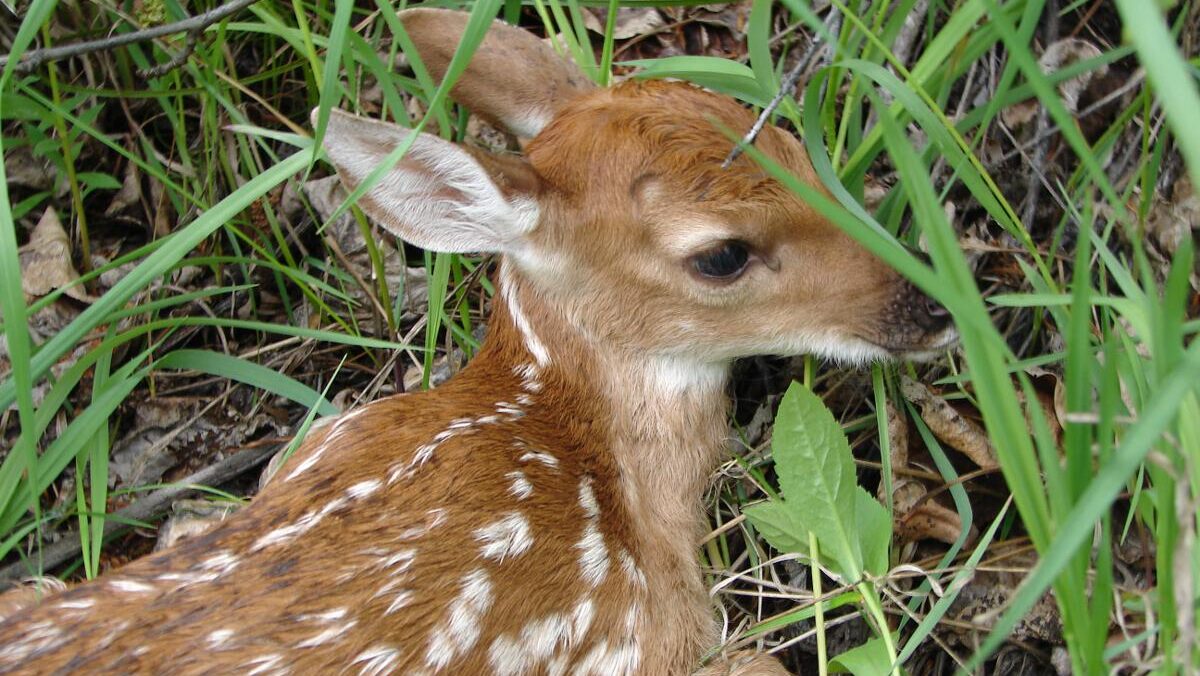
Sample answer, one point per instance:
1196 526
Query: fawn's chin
933 347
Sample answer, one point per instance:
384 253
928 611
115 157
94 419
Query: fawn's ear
513 79
439 196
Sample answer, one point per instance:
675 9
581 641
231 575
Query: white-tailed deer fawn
540 512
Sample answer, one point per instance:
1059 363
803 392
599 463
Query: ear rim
493 221
436 33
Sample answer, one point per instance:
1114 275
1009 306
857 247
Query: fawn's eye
723 263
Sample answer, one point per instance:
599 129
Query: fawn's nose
929 314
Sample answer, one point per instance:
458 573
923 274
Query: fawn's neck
661 419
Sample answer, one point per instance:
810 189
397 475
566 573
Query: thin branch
785 89
147 507
194 25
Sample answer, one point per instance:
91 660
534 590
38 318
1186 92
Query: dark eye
724 262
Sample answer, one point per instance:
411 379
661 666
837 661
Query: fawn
540 512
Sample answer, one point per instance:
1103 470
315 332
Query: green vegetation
1043 154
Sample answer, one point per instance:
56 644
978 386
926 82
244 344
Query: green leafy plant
823 504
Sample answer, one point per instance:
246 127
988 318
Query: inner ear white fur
437 196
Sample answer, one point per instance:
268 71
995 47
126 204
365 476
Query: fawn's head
621 214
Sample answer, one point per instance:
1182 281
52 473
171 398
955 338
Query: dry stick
154 503
192 25
789 84
786 88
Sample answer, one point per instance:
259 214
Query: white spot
555 634
508 291
433 519
266 663
632 572
402 598
376 660
327 635
130 586
520 486
507 537
544 458
324 617
461 629
605 661
524 399
81 604
593 553
186 579
330 439
581 619
587 499
511 410
219 636
399 561
363 489
631 619
301 526
460 423
222 561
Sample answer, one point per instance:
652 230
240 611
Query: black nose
929 314
935 309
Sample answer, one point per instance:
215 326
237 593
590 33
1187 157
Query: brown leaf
948 425
1067 52
130 192
46 261
631 21
190 518
928 521
21 168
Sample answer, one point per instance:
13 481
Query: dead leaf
46 261
130 192
325 195
22 169
988 593
948 425
915 517
928 521
1173 220
1059 55
190 518
630 22
1067 52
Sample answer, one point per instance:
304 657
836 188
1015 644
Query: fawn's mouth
929 348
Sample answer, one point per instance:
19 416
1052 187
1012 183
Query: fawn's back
539 513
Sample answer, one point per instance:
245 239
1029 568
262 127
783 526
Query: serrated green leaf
874 532
780 525
816 474
868 659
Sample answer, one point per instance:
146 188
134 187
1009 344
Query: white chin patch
851 352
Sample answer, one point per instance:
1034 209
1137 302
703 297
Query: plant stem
818 607
871 600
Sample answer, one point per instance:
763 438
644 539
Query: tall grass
224 137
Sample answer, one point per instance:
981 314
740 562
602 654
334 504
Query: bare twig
785 89
191 25
149 506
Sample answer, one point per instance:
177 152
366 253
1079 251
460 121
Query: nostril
935 310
